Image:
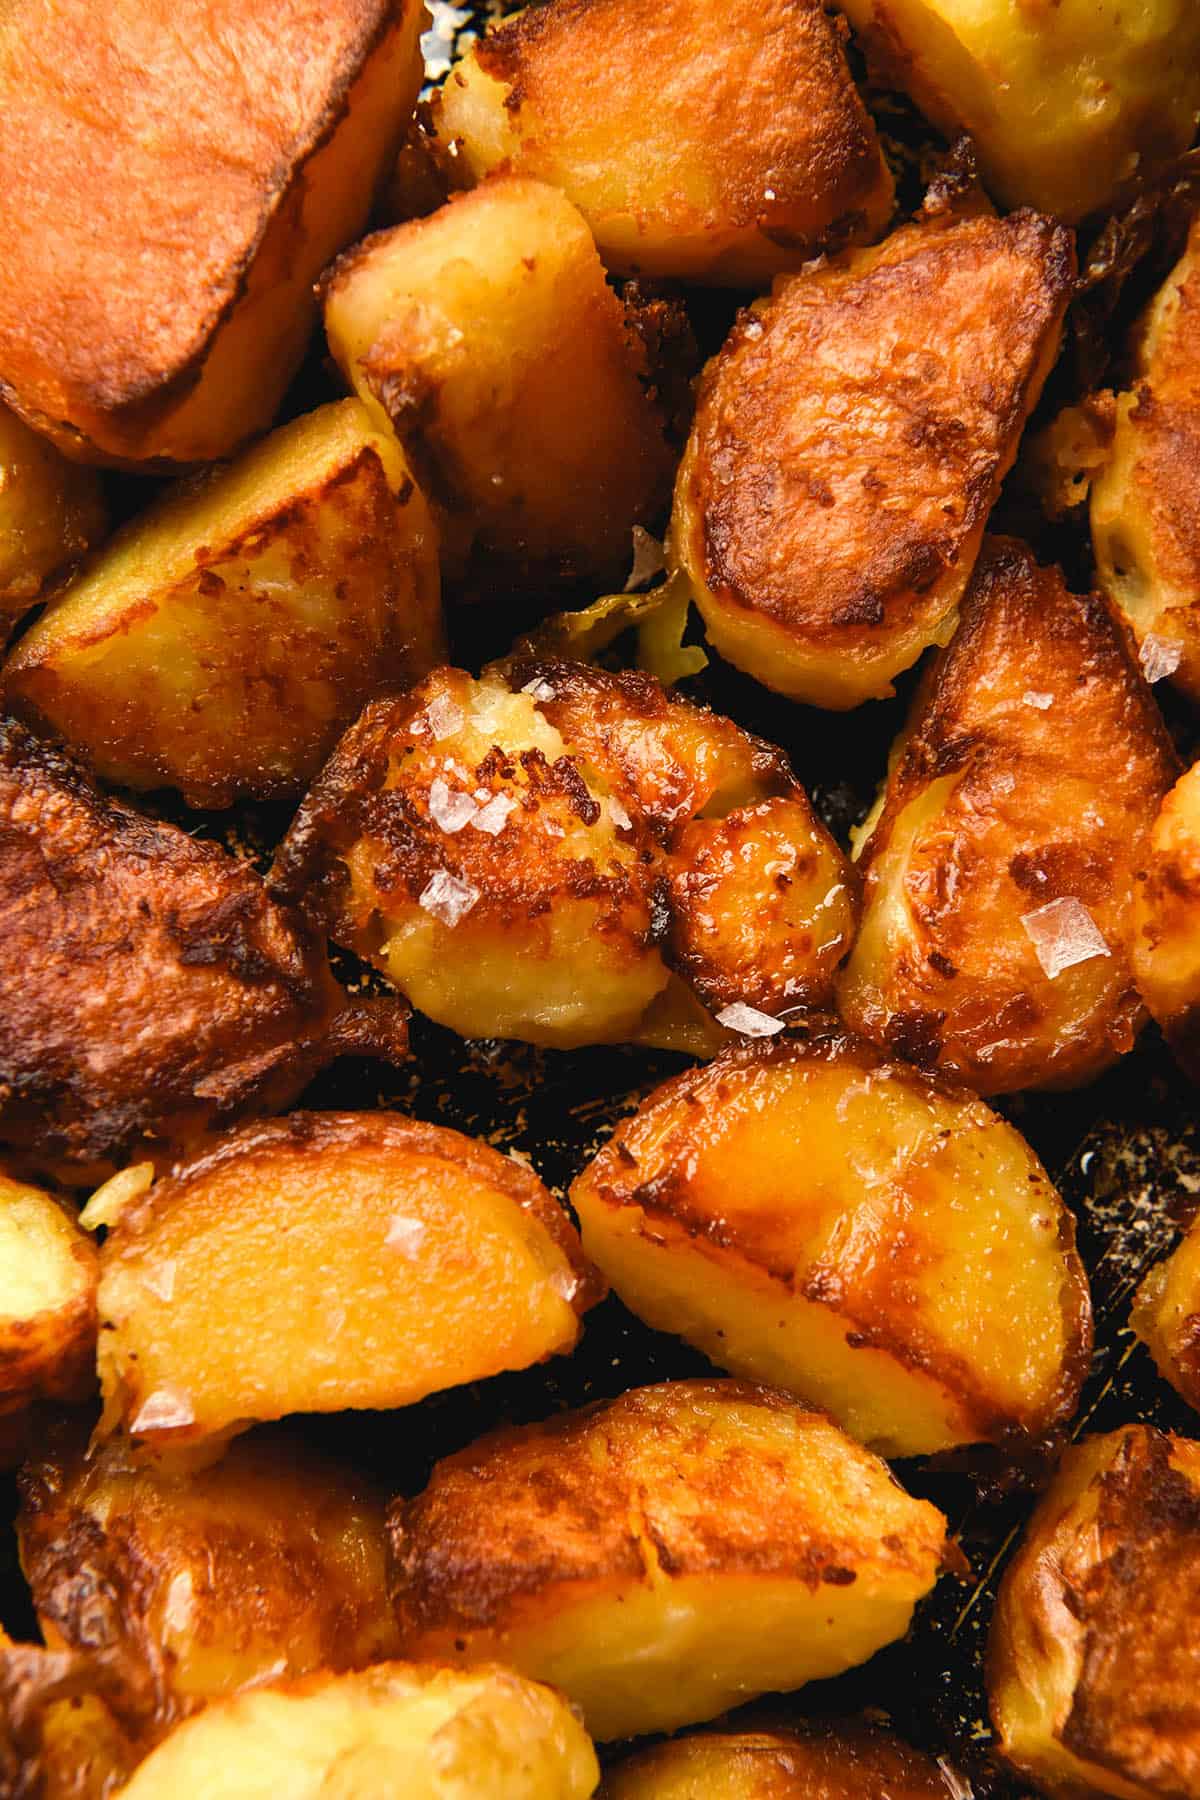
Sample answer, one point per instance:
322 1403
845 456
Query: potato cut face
47 1299
409 1731
1166 1316
708 146
1166 949
1094 1652
1063 102
327 1261
997 931
1145 505
665 1555
171 184
224 641
825 555
486 338
816 1216
815 1760
51 511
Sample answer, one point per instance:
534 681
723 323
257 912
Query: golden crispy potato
325 1261
50 513
1094 1656
59 1738
148 985
405 1730
849 442
171 182
814 1759
997 931
1166 940
707 144
1064 101
743 1206
1145 505
665 1555
486 338
1166 1316
223 642
47 1299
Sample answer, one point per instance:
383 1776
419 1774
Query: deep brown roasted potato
815 1759
47 1300
710 144
59 1737
665 1555
1094 1656
1166 941
486 338
326 1261
1166 1316
884 1245
997 930
172 180
50 513
849 442
224 641
148 985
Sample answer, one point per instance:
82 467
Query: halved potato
1094 1656
171 183
1064 101
849 442
47 1299
815 1759
1166 1316
326 1261
813 1215
706 144
665 1555
998 933
50 513
224 641
409 1731
1166 942
486 338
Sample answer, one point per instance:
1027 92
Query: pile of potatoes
217 593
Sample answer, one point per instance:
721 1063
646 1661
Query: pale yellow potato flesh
47 1299
1166 918
51 511
1166 1316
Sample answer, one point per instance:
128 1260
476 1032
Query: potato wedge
1166 1316
825 557
47 1299
405 1730
171 183
665 1555
51 511
326 1261
814 1759
997 934
225 640
1064 102
1145 501
616 102
1094 1655
486 338
148 986
1166 945
743 1207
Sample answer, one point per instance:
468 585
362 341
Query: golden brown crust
49 1353
59 1738
814 1759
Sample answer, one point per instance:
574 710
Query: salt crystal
161 1281
448 898
1160 657
166 1409
552 828
1043 702
405 1235
448 809
619 816
753 330
444 716
1063 933
565 1283
491 818
648 559
539 689
748 1020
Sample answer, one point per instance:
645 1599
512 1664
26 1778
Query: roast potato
710 144
1145 502
1166 943
325 1261
486 338
813 1215
50 513
405 1730
1063 102
223 642
59 1738
811 1760
47 1299
850 440
997 931
1094 1655
148 985
665 1555
1166 1316
172 180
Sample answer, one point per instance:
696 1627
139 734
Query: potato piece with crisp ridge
51 511
743 1207
1094 1655
172 181
47 1299
1166 1316
327 1261
813 1759
997 931
1063 101
665 1555
148 985
706 144
849 442
486 338
223 642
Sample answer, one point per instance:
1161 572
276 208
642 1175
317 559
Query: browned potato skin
1045 804
51 511
826 558
813 1760
1166 954
60 1738
149 985
50 1354
1094 1652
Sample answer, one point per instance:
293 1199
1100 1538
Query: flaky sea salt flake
448 898
161 1280
166 1409
444 716
1063 933
648 559
449 809
748 1020
538 689
1160 657
493 817
1040 702
619 816
405 1235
